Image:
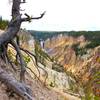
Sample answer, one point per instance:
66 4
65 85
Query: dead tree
12 30
8 37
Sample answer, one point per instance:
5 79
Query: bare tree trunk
14 27
7 37
15 23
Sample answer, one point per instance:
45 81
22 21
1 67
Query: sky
61 15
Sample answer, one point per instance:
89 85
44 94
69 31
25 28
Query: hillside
54 89
93 36
77 54
63 57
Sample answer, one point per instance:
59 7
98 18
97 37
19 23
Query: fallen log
19 88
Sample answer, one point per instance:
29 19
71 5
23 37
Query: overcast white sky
61 15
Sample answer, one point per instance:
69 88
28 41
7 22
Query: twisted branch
28 18
26 51
8 37
22 77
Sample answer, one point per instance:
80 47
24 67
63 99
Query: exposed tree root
8 37
22 76
34 74
31 54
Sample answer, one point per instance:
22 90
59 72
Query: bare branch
21 61
30 18
8 37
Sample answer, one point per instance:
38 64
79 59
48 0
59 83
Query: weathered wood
13 84
7 37
15 23
22 76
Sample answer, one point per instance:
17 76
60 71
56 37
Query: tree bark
13 84
7 37
15 23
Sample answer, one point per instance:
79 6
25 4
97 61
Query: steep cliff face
71 52
39 91
62 48
66 53
52 78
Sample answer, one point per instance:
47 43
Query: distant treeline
92 36
43 35
3 23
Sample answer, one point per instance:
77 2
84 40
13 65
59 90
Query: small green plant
52 84
27 59
11 55
78 50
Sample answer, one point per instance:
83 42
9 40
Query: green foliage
93 44
94 40
27 59
10 55
78 50
96 98
43 34
3 24
57 67
97 75
52 84
92 36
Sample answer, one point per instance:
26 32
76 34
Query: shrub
3 24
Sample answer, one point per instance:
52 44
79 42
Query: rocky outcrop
53 78
83 66
39 91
